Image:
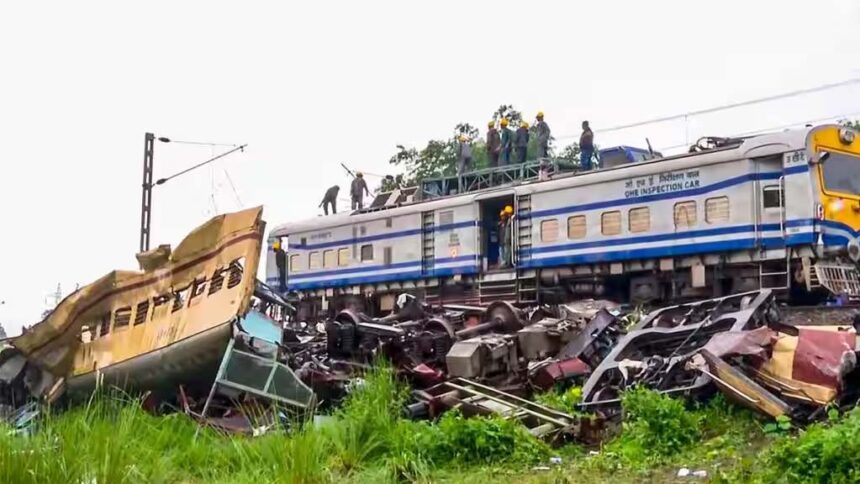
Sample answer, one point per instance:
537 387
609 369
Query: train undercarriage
797 278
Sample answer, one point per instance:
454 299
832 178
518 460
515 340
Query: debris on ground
199 334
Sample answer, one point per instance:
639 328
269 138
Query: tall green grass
112 440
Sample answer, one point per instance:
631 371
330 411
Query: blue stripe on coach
389 235
379 267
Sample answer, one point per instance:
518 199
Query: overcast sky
311 84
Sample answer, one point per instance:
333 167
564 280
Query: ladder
428 242
498 286
527 282
523 234
775 274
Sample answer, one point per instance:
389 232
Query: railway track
820 315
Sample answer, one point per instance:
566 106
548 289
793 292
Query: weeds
824 452
563 400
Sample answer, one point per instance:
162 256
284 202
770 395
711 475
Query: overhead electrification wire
773 128
723 107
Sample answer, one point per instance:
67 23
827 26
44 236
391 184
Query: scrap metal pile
493 359
479 360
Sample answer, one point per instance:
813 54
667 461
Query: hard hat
504 121
540 114
524 125
276 245
491 124
509 209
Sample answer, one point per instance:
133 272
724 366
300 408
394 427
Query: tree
570 153
439 157
855 124
508 111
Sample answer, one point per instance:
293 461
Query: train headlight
846 136
854 250
836 205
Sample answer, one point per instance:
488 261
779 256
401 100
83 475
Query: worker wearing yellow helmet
357 190
505 229
464 155
494 144
543 134
521 141
507 142
281 263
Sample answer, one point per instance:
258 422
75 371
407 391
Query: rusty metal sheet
811 365
207 281
741 388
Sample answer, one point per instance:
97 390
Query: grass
112 440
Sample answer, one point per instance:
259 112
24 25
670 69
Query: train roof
733 149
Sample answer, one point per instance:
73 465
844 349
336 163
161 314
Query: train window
717 210
366 252
121 317
639 219
295 263
685 214
329 259
314 261
343 257
771 196
610 223
386 256
576 227
549 230
388 223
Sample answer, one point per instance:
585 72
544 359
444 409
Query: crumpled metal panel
207 282
655 352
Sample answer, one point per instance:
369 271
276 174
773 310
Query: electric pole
146 199
146 196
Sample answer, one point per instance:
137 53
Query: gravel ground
819 315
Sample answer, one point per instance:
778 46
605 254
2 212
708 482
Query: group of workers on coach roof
504 147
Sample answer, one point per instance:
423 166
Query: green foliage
855 124
824 452
657 424
482 440
570 153
439 157
560 399
780 426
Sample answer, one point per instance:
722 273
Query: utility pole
148 185
146 199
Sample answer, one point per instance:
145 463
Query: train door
771 202
277 263
772 208
492 234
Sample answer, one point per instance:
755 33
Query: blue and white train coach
777 211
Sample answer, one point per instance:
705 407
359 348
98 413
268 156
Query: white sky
312 84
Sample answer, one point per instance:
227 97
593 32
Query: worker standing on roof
507 142
330 198
505 228
357 191
464 155
521 141
494 144
281 263
586 146
543 133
